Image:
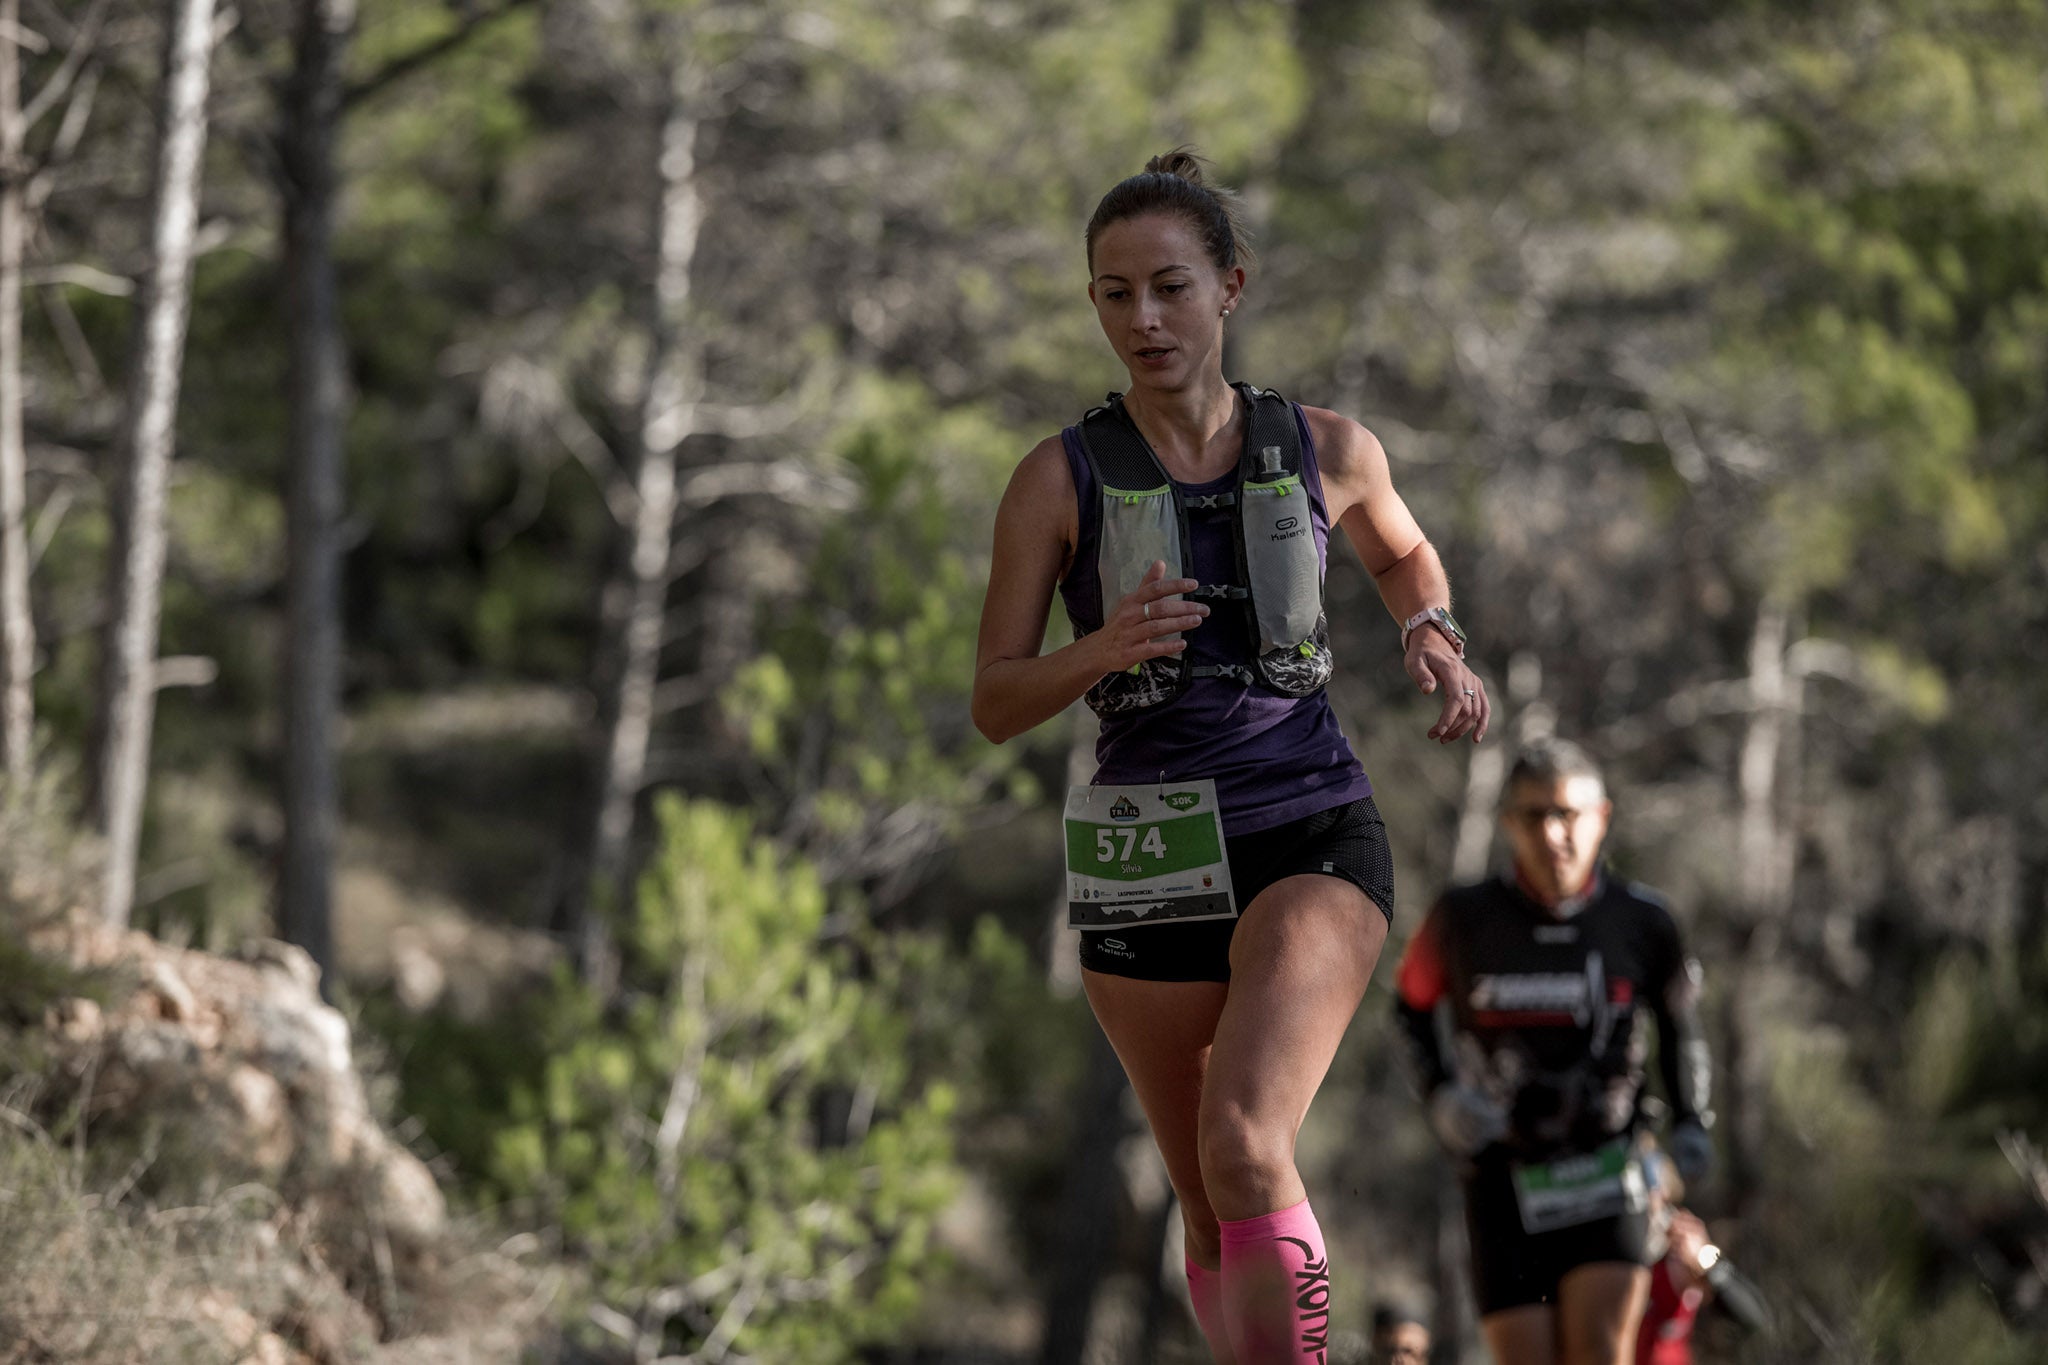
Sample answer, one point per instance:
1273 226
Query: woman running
1227 865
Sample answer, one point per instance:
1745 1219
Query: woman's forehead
1146 244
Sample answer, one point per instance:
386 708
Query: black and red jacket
1548 1012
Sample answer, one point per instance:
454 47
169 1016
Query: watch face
1443 620
1442 615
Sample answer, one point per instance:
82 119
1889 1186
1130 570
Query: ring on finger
1470 693
1147 609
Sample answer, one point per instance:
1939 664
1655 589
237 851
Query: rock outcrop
232 1075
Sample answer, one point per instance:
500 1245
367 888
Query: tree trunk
1763 847
17 625
1165 1281
636 593
127 702
319 416
1765 852
1456 1321
1094 1178
1088 1208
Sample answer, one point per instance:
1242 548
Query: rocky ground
197 1172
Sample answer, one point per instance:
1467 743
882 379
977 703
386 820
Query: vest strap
1213 500
1219 592
1236 673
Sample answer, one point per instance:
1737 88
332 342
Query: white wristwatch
1441 618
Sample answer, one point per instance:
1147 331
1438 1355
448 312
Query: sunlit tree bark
127 702
636 592
1765 853
17 626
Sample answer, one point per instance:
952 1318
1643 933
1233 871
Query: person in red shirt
1678 1287
1691 1274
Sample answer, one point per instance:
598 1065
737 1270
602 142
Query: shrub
738 1146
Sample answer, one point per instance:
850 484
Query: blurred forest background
496 493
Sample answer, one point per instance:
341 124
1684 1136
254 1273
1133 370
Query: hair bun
1176 184
1181 162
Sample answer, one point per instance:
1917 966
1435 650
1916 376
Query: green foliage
1891 245
1943 1042
858 701
1965 1328
1913 685
745 1133
208 890
1976 1043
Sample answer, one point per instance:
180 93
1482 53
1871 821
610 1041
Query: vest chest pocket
1138 526
1281 560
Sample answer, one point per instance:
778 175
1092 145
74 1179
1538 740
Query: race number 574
1106 850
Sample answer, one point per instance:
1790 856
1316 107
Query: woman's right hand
1147 622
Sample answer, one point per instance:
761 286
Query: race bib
1580 1189
1144 854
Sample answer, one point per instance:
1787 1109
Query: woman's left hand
1436 667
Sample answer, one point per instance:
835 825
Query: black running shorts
1348 842
1512 1268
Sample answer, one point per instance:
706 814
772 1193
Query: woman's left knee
1239 1153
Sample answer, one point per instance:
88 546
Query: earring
1226 312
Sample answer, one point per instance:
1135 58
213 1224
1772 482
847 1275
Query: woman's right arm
1015 686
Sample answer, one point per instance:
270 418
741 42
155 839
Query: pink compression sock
1205 1289
1276 1288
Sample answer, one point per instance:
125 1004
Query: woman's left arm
1358 490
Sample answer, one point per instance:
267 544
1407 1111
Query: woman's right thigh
1161 1031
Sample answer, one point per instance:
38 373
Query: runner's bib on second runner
1579 1189
1145 854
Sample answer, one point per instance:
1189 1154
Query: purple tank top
1273 758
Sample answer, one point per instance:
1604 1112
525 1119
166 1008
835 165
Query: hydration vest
1278 578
